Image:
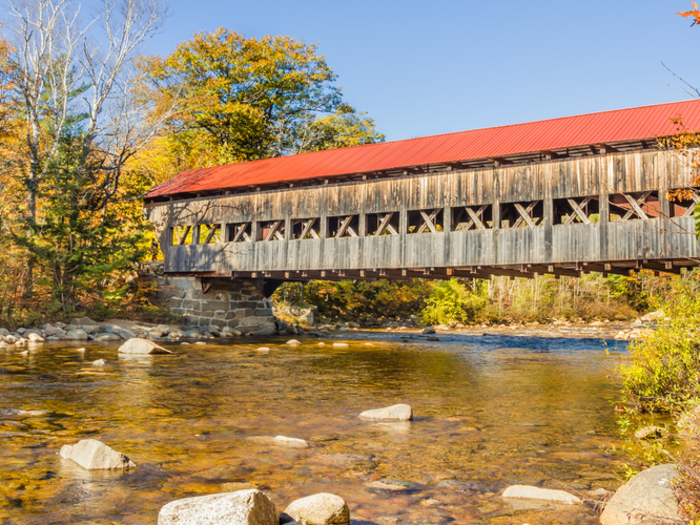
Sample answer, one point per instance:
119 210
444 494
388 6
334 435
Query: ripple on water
490 411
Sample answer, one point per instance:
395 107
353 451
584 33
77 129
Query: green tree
248 99
454 301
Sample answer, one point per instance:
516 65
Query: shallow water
490 412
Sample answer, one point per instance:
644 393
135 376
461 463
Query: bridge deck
603 213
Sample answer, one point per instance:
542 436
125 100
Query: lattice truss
270 231
466 218
684 203
344 226
383 223
643 205
426 221
522 214
240 232
577 210
306 228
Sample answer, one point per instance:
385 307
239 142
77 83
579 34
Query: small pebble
200 343
81 349
369 344
340 345
321 344
263 349
26 352
188 344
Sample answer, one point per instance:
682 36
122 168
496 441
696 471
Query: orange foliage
694 13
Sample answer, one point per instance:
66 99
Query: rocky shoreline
116 330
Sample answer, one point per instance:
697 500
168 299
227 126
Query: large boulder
136 345
264 330
95 455
393 413
53 330
77 334
530 492
243 507
122 332
320 509
647 498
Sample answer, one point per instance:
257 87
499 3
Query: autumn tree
249 98
83 120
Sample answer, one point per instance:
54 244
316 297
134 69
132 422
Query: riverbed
490 411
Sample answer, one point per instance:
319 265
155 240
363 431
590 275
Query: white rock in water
243 507
340 345
77 335
107 337
136 345
99 362
263 349
320 509
291 442
529 492
648 497
35 338
293 342
95 455
393 413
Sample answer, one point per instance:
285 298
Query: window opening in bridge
522 214
577 210
426 221
344 226
640 205
383 223
271 230
684 202
240 232
181 235
305 229
209 233
467 218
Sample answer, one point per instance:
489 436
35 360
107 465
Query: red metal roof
646 122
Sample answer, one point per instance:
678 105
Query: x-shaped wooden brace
181 240
428 221
635 208
475 218
578 211
384 225
691 209
526 215
212 233
274 232
307 229
240 234
345 228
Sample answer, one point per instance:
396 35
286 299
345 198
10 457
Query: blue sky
429 67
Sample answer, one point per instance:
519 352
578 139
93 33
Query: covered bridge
560 196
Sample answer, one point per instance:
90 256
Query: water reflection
490 411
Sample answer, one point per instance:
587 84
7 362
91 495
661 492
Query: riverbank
85 329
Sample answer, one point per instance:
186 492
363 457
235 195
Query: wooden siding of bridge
599 176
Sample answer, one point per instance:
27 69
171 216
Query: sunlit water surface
490 412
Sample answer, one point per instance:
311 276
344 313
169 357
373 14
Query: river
490 411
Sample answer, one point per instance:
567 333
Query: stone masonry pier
239 304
